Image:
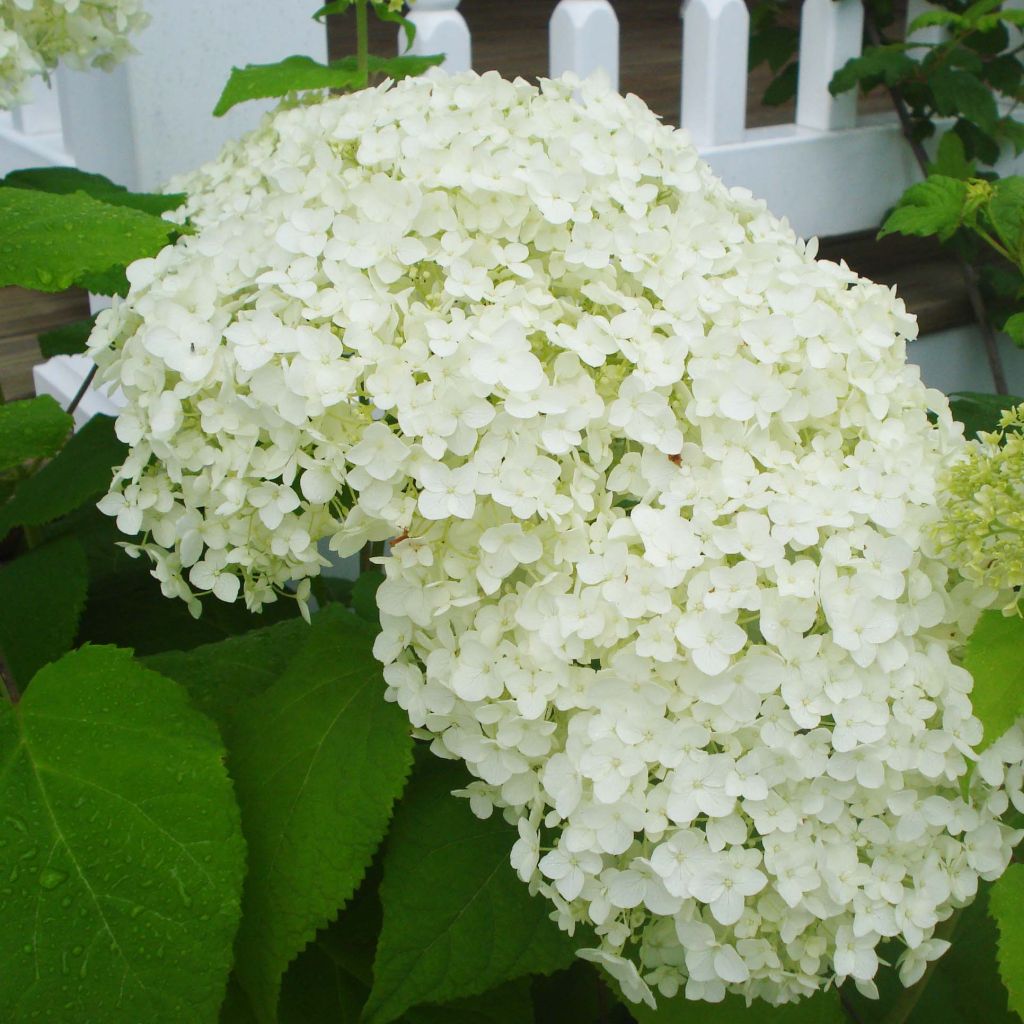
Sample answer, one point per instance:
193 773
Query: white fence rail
828 172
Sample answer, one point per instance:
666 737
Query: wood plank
24 315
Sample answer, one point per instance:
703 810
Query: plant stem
995 361
10 686
904 1005
81 391
362 44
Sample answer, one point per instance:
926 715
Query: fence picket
830 35
716 38
440 28
583 36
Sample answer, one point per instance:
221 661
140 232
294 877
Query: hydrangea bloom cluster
982 528
660 489
36 34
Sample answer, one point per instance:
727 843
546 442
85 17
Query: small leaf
318 759
408 66
782 88
65 180
51 241
1006 212
81 471
1005 902
951 161
335 7
123 855
932 19
995 658
931 207
774 45
1014 327
293 74
960 92
457 920
823 1008
384 13
887 64
67 340
31 429
41 594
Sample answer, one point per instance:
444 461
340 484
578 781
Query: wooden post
716 38
830 35
583 37
440 28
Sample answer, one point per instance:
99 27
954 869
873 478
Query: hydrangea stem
903 1007
362 44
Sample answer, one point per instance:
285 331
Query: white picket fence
830 172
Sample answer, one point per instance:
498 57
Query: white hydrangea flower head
659 487
36 34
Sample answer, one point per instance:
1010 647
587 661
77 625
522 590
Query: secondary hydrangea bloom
982 529
36 34
660 487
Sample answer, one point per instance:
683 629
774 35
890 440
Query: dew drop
50 878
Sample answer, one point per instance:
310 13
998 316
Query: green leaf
334 7
1005 902
81 471
510 1003
384 13
297 74
774 45
67 340
934 206
1014 327
995 658
823 1008
41 594
933 18
888 64
318 759
123 854
951 161
960 92
65 180
457 920
782 87
293 74
364 596
220 677
1006 212
978 411
31 429
51 241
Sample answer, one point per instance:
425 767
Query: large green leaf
319 759
1006 901
65 180
81 471
221 677
122 850
41 598
979 411
31 429
995 658
457 921
66 340
298 74
51 241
